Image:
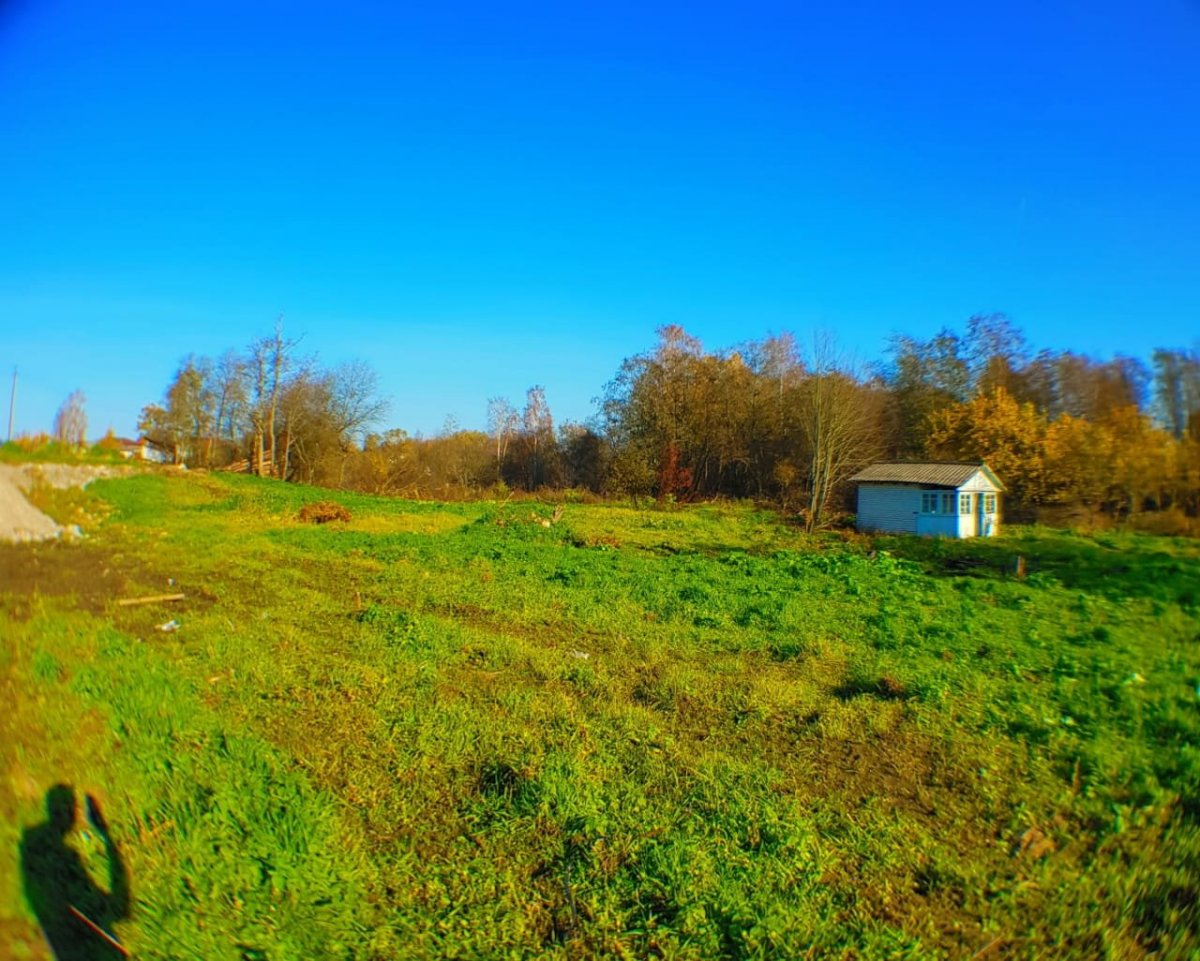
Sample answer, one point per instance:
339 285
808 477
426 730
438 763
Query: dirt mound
322 512
20 520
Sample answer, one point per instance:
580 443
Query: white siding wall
978 485
968 522
896 507
883 507
978 482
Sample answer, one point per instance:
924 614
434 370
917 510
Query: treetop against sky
475 198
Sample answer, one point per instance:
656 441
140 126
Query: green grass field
451 731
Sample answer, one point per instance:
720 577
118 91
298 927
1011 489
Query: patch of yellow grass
425 523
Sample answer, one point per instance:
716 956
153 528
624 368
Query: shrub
1171 522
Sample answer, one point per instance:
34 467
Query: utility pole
12 403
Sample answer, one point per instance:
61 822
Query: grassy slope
450 731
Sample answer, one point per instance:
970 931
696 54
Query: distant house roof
944 474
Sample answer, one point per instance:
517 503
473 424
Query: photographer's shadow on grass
75 913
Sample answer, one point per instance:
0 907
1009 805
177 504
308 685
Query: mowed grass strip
475 730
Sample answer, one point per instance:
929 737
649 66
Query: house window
937 502
964 504
989 503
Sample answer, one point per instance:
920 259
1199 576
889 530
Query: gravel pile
20 520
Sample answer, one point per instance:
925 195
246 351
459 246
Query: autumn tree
1144 460
303 427
323 415
657 412
1186 493
725 424
181 426
584 457
995 427
924 377
631 471
386 464
1079 463
534 452
1120 465
456 463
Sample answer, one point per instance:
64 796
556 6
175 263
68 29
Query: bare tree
996 352
270 360
839 428
537 433
354 403
1177 389
503 421
230 386
70 423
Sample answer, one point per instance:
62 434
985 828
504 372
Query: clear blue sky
479 197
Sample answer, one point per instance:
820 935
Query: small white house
933 500
139 449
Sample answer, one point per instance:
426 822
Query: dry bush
1171 522
31 442
1075 517
109 442
322 512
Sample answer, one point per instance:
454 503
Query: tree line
770 419
269 408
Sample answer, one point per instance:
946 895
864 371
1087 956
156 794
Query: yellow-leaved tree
1116 465
1079 458
996 428
1144 459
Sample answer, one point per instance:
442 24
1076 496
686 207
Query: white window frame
989 503
964 505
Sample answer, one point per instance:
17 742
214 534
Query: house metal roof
952 474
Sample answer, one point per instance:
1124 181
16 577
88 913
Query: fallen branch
155 599
98 930
994 945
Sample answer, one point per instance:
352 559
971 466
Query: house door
981 525
966 518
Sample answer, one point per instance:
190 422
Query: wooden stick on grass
155 599
98 930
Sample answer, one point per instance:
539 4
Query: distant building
932 500
139 449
